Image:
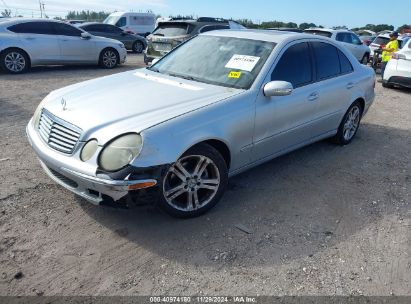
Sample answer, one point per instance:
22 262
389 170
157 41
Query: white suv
347 38
398 70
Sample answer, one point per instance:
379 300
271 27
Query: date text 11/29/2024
203 299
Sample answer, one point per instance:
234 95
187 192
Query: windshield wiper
158 34
183 76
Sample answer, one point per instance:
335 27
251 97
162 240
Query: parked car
182 127
382 40
347 38
367 40
136 23
132 42
170 34
398 69
25 43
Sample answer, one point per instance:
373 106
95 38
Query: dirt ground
324 220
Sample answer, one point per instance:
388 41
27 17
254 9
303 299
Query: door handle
313 96
350 85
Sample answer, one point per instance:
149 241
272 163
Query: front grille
58 134
69 182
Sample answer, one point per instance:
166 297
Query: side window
340 37
345 64
66 30
221 27
122 22
42 28
207 28
355 40
295 66
327 61
114 29
92 28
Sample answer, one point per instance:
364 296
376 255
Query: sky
352 13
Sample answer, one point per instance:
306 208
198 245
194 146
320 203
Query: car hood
130 102
104 39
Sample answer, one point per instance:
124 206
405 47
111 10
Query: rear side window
42 28
319 33
327 60
66 30
93 28
381 40
172 29
344 37
345 64
208 28
295 66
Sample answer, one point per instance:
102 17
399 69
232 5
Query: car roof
263 35
12 21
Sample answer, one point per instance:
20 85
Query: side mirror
278 88
85 36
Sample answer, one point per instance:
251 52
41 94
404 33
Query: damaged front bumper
94 186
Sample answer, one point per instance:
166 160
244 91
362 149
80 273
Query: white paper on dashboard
242 62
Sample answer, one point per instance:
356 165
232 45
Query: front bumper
65 171
123 55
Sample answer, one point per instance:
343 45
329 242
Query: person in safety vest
388 50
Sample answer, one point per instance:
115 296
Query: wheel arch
217 144
20 49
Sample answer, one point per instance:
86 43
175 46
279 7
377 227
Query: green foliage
375 27
405 27
6 13
87 15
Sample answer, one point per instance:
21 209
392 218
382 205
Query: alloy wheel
351 123
191 183
109 59
15 62
138 47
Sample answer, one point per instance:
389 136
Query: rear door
39 40
335 83
74 48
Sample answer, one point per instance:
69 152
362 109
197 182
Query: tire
138 47
14 61
109 58
365 58
195 183
386 85
349 125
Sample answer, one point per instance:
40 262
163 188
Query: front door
284 122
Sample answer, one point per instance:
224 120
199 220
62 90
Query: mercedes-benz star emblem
64 104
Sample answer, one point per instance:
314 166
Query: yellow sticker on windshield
235 75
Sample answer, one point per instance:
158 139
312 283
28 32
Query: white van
140 23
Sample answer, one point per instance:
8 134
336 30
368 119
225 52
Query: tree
6 13
305 25
87 15
406 28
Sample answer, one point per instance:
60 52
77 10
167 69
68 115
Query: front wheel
349 125
109 58
195 183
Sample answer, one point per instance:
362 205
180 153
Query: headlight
36 116
120 152
88 150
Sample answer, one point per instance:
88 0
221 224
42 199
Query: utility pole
41 10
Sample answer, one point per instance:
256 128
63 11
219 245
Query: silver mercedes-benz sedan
29 42
217 105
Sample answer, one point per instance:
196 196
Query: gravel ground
324 220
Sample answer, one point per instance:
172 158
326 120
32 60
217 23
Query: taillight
398 56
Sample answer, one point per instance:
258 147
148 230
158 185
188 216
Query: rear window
319 33
381 40
172 29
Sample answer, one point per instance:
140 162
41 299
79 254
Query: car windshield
172 29
224 61
111 20
319 33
